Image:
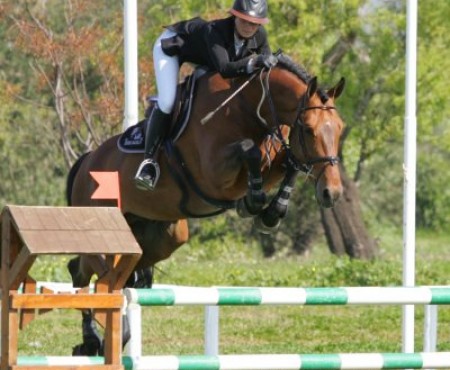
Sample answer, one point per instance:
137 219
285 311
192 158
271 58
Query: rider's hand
261 61
267 61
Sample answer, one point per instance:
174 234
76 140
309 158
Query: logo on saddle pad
133 139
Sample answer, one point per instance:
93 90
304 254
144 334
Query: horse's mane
285 62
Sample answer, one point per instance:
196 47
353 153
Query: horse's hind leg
92 340
81 271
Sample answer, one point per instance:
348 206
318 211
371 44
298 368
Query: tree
78 69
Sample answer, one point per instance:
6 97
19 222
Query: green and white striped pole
177 295
348 361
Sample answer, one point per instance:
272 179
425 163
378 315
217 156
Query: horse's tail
70 178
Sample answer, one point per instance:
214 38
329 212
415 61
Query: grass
276 329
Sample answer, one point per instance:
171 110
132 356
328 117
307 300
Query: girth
185 181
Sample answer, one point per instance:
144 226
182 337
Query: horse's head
315 124
315 138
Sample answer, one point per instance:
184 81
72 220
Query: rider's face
244 28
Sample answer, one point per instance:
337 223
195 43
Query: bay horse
279 123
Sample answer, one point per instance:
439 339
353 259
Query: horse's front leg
269 219
255 199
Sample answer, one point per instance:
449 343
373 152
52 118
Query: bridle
308 164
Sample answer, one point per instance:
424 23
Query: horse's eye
309 131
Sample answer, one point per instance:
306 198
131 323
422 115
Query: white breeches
166 72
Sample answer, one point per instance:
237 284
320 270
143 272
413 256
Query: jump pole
410 153
347 361
255 296
130 30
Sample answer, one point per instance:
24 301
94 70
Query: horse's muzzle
328 196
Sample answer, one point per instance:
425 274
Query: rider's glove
262 61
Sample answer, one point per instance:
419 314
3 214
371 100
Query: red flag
108 186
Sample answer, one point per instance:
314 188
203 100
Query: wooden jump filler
99 232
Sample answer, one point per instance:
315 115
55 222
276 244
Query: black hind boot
92 340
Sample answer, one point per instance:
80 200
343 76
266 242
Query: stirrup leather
146 181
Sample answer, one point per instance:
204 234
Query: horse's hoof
78 350
101 350
261 227
140 279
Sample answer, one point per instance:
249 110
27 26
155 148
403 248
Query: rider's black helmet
254 11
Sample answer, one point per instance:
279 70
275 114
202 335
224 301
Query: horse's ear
312 87
336 91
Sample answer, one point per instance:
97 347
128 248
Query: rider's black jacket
211 44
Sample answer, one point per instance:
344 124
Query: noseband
307 165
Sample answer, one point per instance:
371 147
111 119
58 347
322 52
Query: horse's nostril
326 194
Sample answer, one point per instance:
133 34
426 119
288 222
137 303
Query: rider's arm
220 57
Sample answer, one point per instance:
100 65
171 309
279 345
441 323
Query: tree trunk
344 226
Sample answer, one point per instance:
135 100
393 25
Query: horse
244 136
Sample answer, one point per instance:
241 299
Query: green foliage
220 237
51 268
433 192
33 171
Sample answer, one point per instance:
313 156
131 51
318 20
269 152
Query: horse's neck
280 102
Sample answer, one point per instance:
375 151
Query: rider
233 46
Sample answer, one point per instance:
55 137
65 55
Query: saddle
133 139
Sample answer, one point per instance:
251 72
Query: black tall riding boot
148 173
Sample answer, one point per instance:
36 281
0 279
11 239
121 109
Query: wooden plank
64 300
13 339
80 242
68 218
26 316
19 268
113 337
75 230
5 331
6 243
124 268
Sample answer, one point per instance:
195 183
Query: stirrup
145 180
